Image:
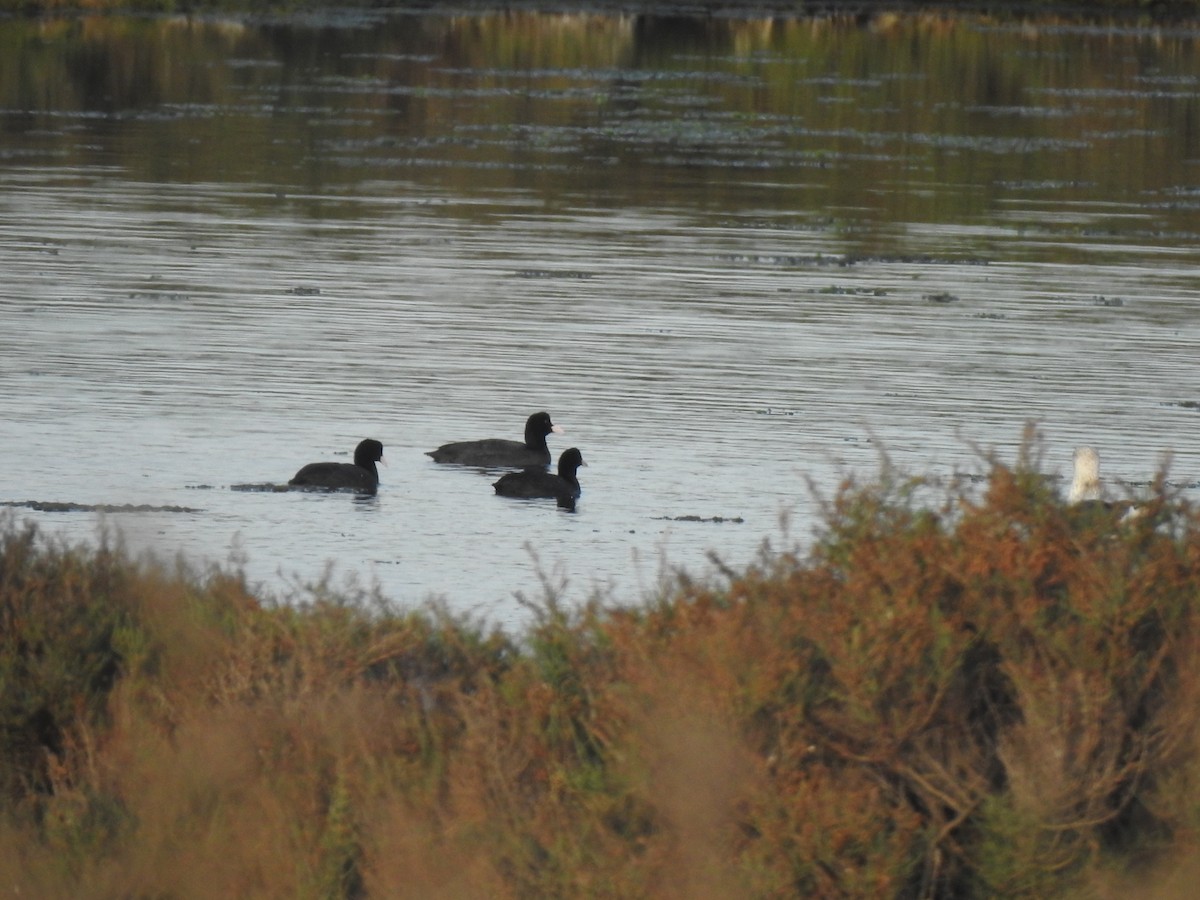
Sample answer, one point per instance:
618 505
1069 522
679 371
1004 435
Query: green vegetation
994 697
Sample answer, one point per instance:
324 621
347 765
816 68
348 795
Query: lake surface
735 258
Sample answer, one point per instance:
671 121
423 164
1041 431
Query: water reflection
732 257
891 118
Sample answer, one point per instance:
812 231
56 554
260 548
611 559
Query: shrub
990 695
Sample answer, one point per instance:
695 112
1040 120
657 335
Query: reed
986 695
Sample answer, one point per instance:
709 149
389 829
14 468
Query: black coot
360 475
532 483
500 452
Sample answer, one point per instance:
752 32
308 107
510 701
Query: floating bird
361 475
501 452
1085 483
1087 491
534 483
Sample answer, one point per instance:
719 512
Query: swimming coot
360 475
532 483
500 452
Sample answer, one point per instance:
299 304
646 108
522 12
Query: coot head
367 453
568 463
537 427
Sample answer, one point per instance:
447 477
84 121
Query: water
736 260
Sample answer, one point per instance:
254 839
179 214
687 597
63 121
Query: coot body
500 452
361 475
534 483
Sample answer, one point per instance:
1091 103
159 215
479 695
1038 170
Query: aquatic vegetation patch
576 275
692 517
846 291
70 506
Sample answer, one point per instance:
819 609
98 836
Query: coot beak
558 429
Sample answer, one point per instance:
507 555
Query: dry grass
993 697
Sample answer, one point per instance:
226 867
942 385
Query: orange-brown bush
994 697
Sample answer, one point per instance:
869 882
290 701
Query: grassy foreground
991 698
